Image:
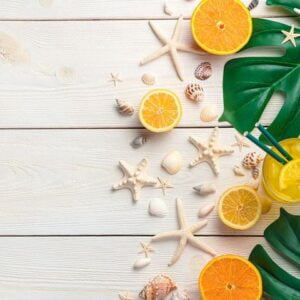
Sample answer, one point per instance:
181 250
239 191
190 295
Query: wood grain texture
89 268
107 9
32 96
59 182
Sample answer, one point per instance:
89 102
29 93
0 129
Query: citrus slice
230 277
290 175
240 207
160 110
221 27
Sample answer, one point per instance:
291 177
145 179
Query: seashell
238 171
252 160
205 210
194 92
139 141
148 79
255 172
203 71
167 10
205 189
208 113
141 262
253 4
124 107
172 162
65 74
179 294
158 288
158 208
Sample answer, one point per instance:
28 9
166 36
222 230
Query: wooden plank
106 9
99 268
59 182
32 96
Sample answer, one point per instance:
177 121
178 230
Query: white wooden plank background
64 234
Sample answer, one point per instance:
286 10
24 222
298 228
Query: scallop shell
252 160
148 79
139 141
172 162
209 113
253 4
158 207
203 71
205 189
124 107
206 210
141 262
238 171
158 288
194 92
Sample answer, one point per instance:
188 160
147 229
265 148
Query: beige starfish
115 78
240 142
164 185
210 151
126 296
135 178
290 36
185 234
171 46
146 249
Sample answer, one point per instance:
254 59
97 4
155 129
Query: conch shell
124 107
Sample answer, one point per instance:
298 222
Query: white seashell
253 4
167 10
205 210
139 141
158 207
141 262
172 162
194 92
238 171
203 71
205 189
148 79
124 107
179 294
209 113
65 74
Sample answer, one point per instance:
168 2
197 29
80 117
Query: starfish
163 184
185 234
134 178
115 78
240 142
146 249
126 296
210 151
290 36
171 46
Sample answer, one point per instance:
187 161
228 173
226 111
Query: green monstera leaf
291 5
250 82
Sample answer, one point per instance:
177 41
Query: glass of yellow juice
282 183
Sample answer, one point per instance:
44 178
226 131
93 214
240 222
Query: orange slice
160 110
290 175
230 277
221 27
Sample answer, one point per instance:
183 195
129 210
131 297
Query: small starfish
135 178
240 142
115 78
163 184
185 234
171 46
126 296
146 249
290 36
210 151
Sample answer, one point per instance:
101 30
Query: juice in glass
282 184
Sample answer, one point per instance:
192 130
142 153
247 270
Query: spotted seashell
203 71
179 294
158 288
209 113
139 141
253 4
206 210
141 262
252 160
205 189
124 107
238 171
194 92
172 162
148 79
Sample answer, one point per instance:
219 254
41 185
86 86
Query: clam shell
158 208
179 294
238 171
208 113
194 92
205 189
203 71
205 210
252 160
141 262
124 107
172 162
139 141
148 79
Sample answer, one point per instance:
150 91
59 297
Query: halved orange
160 110
221 27
230 277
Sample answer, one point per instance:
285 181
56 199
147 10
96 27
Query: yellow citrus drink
282 183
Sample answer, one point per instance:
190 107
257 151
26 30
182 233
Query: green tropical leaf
250 82
290 5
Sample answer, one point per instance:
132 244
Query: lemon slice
290 175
